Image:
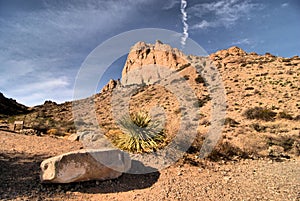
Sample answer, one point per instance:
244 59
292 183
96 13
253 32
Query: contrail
185 34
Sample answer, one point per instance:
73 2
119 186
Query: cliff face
142 54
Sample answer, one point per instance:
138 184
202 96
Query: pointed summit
142 54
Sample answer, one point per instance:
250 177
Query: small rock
73 137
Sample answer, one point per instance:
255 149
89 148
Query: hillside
10 106
263 108
256 158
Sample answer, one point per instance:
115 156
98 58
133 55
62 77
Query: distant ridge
9 106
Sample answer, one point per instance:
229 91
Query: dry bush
285 115
260 113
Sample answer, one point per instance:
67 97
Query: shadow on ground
19 175
126 182
20 179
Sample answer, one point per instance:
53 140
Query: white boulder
84 165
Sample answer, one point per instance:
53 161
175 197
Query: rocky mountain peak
232 51
142 54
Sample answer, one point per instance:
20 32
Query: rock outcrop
84 165
110 85
142 54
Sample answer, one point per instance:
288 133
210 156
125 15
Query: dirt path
21 155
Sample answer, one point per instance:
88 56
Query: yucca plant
140 133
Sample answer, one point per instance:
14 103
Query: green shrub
260 114
285 115
139 133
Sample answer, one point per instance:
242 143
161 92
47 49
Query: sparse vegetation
203 101
258 127
200 79
139 133
260 113
231 122
285 115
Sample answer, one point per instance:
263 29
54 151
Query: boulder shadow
124 183
19 175
20 179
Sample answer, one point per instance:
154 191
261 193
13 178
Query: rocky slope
262 92
10 106
263 107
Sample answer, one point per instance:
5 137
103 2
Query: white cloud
170 4
203 25
222 13
284 5
39 90
244 41
42 50
43 85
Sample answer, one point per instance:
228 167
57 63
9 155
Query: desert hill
10 106
262 92
256 158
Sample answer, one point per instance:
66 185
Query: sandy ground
245 179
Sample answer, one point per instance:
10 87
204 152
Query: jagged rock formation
142 54
110 85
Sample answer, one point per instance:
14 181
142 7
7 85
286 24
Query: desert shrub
285 115
40 127
199 79
226 151
231 122
70 127
297 118
258 127
139 133
141 119
286 142
186 77
260 113
203 101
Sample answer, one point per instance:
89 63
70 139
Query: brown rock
236 51
142 54
110 85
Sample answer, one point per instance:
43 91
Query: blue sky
44 42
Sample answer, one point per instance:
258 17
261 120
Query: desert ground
256 158
245 179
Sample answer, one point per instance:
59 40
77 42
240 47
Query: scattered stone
73 137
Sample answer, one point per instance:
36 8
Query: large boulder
84 165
